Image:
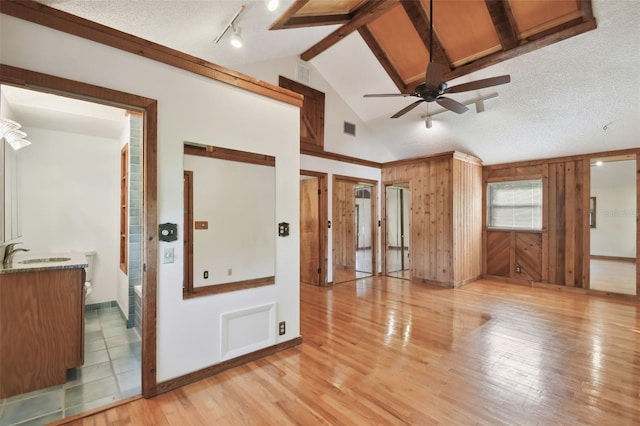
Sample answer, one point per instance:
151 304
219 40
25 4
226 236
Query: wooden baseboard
616 258
465 282
178 382
558 287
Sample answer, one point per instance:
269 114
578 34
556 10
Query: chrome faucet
9 251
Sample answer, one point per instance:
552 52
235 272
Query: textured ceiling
558 103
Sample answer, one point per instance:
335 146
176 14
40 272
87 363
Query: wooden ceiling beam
504 22
315 21
382 57
288 14
368 12
586 10
422 24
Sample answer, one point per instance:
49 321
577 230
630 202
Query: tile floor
111 372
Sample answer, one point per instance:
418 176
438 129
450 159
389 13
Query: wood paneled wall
446 225
559 253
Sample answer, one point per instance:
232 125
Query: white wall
364 145
190 108
70 200
614 186
332 167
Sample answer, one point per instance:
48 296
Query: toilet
88 287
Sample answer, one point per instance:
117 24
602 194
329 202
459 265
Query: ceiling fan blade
388 95
433 75
406 109
451 105
480 84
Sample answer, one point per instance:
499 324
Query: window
515 204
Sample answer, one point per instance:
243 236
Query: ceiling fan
434 89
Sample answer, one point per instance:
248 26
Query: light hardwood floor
386 351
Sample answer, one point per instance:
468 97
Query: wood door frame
374 215
46 83
322 222
188 232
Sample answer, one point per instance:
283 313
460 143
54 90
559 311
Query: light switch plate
168 255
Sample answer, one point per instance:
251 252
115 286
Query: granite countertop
27 262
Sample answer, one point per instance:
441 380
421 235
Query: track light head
236 39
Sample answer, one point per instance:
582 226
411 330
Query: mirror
229 222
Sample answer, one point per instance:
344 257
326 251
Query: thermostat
168 231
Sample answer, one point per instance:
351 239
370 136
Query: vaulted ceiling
467 35
575 85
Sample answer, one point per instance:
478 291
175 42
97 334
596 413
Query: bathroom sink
45 260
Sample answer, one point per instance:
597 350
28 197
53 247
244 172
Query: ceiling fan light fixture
428 122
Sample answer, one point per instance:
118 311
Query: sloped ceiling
575 85
464 36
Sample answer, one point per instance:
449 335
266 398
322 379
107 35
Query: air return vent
303 74
350 128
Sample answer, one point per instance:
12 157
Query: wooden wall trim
542 161
414 160
225 365
229 154
58 20
614 258
339 157
209 290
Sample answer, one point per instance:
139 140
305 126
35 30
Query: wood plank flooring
387 351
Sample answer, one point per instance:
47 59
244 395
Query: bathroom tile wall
135 212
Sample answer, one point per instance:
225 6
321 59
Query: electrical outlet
205 274
282 327
229 271
518 269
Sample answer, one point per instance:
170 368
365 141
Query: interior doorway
613 224
148 222
313 228
354 236
398 230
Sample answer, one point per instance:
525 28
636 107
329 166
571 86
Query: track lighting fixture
14 137
236 40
